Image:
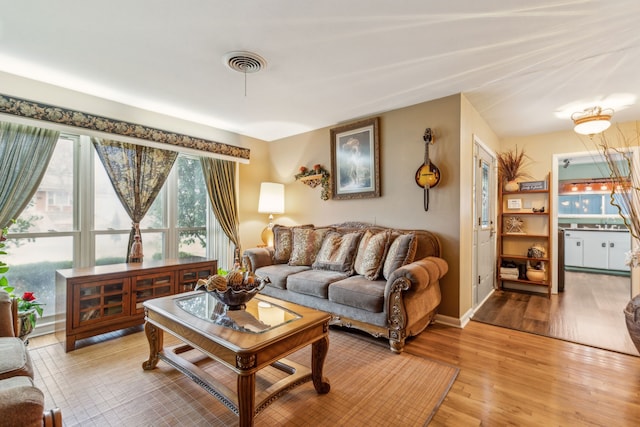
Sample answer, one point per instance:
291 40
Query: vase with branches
511 167
617 149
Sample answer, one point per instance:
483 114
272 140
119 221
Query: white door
485 236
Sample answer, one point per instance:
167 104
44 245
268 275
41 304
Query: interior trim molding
64 116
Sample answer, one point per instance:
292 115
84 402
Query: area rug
104 384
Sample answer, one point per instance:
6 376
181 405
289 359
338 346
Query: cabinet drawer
150 286
100 301
188 278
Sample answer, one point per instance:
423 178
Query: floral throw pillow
371 252
305 244
338 252
401 252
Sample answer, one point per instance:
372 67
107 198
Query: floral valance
50 113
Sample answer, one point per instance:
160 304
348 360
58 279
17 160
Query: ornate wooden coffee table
245 341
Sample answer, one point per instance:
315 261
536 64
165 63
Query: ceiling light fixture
592 120
244 62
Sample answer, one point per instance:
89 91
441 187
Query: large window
76 219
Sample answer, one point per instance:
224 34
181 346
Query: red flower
28 296
316 167
303 169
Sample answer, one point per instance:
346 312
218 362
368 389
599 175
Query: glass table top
259 315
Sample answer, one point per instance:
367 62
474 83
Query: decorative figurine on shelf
136 254
514 225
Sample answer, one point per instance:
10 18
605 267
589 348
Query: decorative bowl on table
233 290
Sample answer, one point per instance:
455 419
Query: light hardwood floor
589 311
509 377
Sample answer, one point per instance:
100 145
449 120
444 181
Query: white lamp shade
271 198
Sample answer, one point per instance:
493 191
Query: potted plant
28 307
511 165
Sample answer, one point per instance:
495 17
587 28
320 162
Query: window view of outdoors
192 207
44 241
45 234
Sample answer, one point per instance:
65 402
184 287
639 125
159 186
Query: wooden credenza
95 300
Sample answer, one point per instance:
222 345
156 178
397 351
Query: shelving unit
520 228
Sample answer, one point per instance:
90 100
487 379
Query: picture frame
355 160
514 203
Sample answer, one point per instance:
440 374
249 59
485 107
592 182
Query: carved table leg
246 399
155 338
319 351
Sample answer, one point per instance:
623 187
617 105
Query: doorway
590 231
484 227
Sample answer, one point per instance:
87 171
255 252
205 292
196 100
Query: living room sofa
376 279
21 402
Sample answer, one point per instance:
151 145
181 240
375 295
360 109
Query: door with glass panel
484 235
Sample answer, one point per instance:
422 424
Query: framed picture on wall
355 160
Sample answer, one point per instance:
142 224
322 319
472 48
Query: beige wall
472 126
401 204
453 120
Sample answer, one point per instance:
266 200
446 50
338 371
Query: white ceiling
525 65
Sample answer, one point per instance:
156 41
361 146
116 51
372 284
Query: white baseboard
453 321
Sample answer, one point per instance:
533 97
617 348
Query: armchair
21 402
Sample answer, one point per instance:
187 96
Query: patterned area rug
104 385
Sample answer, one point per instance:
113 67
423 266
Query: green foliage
192 200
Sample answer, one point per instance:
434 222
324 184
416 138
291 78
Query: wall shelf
312 180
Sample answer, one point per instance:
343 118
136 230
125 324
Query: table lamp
272 202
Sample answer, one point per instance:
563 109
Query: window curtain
25 152
137 174
219 176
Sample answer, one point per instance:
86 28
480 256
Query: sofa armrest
257 257
21 403
8 315
418 274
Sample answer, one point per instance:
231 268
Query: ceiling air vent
244 62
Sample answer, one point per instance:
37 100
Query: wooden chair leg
52 418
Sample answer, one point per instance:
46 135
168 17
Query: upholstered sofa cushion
359 292
278 274
338 252
305 245
401 252
314 282
371 252
14 358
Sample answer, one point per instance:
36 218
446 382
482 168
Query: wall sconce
272 202
592 120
